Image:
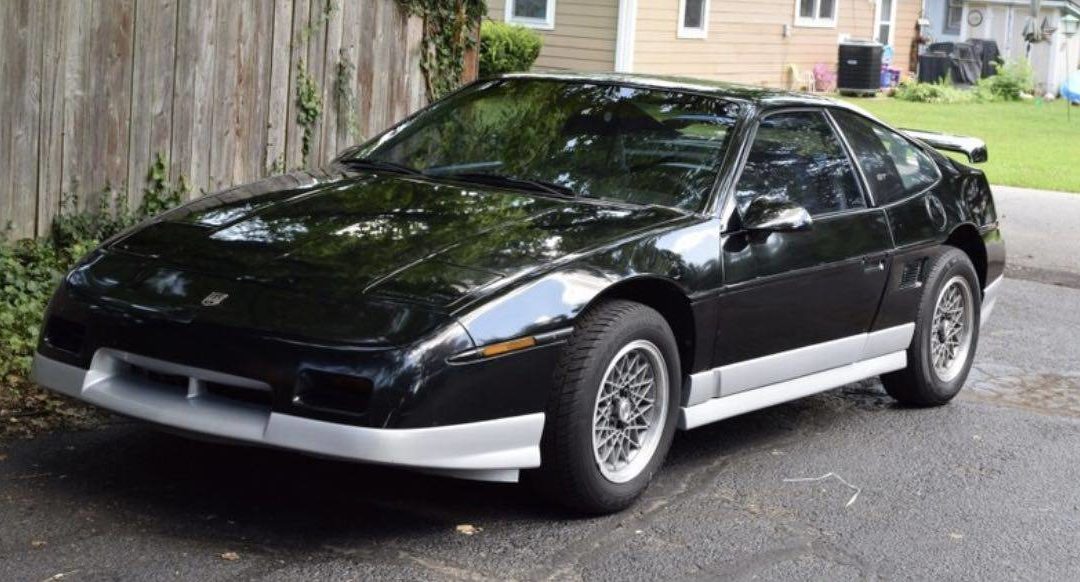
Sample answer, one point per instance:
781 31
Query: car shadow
278 499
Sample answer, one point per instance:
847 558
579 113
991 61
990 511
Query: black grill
912 275
181 384
239 393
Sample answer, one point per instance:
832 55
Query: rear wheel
612 415
946 334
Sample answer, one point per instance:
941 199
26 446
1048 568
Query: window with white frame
886 16
954 13
532 13
815 13
693 18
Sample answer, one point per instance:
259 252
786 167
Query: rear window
894 167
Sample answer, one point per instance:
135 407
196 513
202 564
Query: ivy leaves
449 34
308 106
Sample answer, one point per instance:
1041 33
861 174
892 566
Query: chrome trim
989 300
721 408
774 368
492 449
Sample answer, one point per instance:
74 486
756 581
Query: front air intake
331 392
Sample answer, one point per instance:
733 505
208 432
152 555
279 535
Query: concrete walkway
1042 233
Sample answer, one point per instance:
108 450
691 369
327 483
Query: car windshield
595 140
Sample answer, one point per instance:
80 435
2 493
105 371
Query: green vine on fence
345 95
308 106
320 20
449 34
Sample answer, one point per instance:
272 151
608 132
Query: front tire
611 417
946 334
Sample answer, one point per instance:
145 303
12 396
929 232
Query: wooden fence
92 90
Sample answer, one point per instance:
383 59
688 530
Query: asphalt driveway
982 489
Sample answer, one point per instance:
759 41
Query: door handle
873 265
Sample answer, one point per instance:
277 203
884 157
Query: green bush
31 268
506 48
28 272
940 92
1010 82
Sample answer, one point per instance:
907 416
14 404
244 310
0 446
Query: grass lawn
1031 145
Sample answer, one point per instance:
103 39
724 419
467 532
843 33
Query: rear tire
611 417
946 334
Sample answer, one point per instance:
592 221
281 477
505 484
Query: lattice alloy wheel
950 336
630 411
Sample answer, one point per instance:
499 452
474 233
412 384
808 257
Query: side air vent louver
913 274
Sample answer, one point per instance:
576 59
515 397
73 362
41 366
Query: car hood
378 235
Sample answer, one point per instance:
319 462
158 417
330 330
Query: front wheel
946 334
611 417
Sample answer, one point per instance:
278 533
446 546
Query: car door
796 303
907 184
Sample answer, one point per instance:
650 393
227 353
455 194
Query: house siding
583 38
746 43
1005 24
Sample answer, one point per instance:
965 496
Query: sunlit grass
1031 144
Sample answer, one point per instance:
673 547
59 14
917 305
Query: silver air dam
492 450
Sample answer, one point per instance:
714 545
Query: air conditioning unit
859 70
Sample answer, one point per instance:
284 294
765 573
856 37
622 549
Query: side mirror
771 215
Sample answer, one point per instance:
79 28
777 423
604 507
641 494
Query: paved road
982 489
1041 233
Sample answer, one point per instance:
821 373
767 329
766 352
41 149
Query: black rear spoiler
972 147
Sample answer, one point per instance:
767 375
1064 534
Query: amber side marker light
508 346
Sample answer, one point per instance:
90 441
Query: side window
796 156
893 166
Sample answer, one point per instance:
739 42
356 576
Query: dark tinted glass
635 145
531 8
694 16
806 8
797 156
893 166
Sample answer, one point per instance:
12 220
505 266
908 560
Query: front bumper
493 450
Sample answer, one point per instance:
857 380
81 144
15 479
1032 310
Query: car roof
762 96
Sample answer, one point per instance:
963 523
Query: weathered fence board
92 90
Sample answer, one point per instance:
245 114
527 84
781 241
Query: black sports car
548 273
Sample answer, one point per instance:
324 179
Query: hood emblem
214 299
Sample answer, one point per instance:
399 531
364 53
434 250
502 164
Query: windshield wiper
511 182
382 165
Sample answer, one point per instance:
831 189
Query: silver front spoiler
493 450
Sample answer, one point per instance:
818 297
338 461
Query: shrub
31 268
1010 82
940 92
28 272
505 48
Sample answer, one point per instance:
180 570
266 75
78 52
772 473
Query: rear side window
796 156
893 166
